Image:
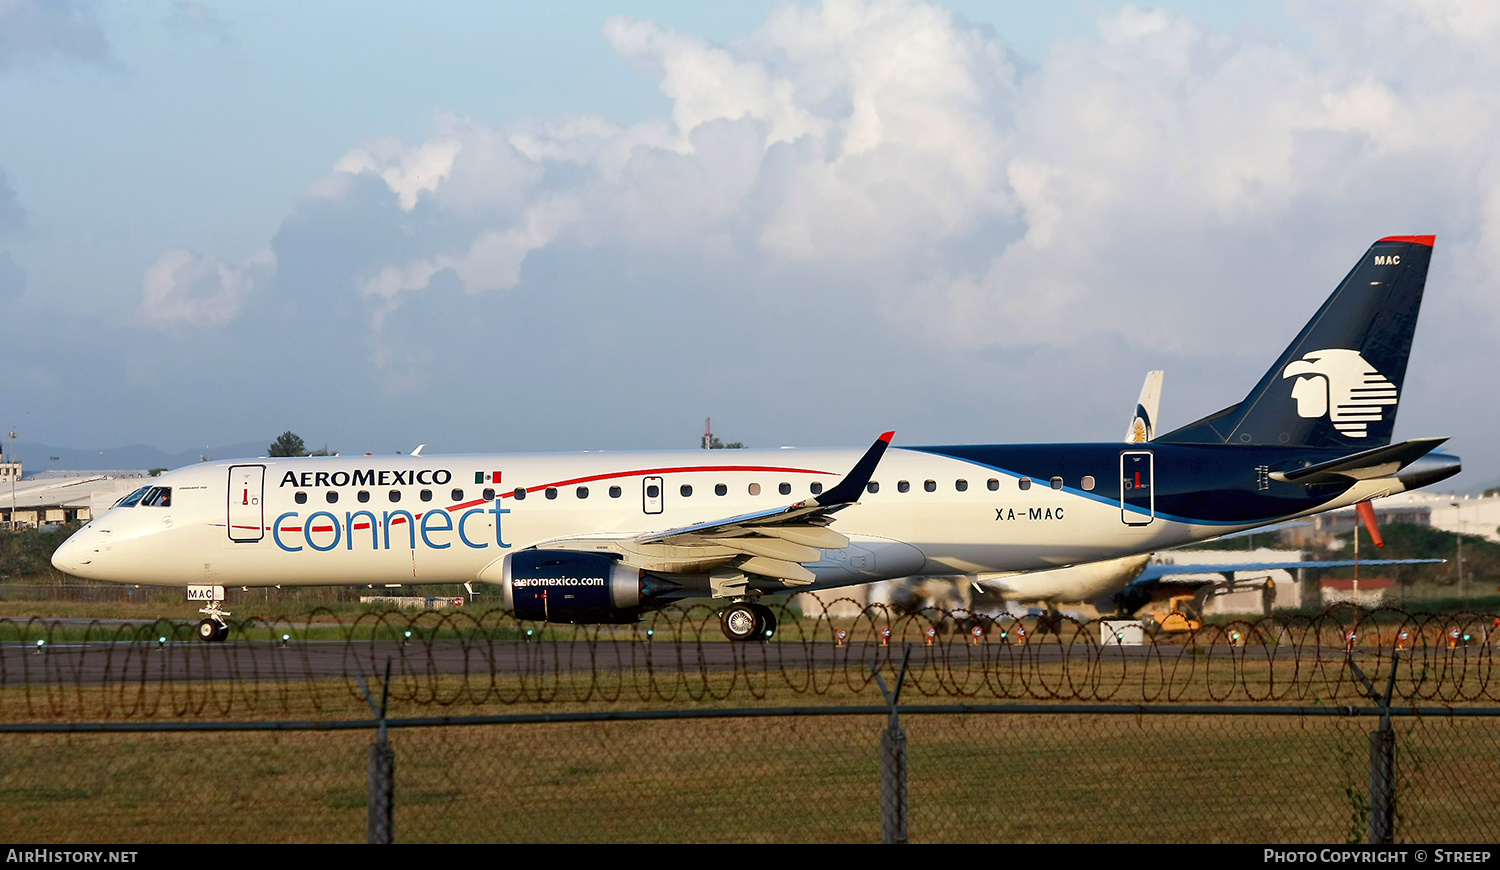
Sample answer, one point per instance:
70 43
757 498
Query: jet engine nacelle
565 586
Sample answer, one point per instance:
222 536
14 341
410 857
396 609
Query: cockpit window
158 496
134 498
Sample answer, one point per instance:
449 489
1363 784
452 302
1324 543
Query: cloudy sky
497 227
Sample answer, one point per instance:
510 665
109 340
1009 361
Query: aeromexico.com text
368 477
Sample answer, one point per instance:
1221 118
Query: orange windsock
1367 513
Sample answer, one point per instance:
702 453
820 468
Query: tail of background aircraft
1338 383
1142 426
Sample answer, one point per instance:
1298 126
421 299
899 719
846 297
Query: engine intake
565 586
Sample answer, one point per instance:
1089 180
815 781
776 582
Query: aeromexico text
368 477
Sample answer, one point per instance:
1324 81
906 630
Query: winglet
847 490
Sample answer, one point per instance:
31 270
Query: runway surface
96 663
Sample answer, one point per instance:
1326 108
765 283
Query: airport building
1459 514
56 497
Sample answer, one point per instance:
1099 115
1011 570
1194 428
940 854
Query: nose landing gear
211 631
215 628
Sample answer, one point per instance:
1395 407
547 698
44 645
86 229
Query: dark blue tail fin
1339 382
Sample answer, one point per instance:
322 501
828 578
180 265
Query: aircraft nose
75 555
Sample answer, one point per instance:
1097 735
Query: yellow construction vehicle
1185 612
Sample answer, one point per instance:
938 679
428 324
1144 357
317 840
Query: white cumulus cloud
183 289
887 169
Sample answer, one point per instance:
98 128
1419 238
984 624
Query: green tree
287 444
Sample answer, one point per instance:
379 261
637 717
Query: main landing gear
747 620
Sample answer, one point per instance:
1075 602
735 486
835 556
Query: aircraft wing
1156 573
772 543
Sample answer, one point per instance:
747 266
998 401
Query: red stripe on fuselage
644 472
680 469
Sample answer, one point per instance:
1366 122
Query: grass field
972 778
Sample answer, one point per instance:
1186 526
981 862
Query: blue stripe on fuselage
1207 484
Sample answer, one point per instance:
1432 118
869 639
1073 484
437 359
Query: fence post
1383 768
380 786
1381 829
1382 787
893 761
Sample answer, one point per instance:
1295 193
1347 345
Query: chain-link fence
595 736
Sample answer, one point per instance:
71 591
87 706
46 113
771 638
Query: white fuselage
451 519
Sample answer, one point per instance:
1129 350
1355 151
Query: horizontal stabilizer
1365 465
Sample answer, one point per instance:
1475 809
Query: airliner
605 537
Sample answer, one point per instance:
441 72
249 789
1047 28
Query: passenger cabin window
785 489
1088 482
159 496
426 495
551 492
720 489
755 489
686 490
993 484
816 488
872 487
458 495
1057 483
394 495
134 498
614 492
332 496
961 485
520 493
1024 483
583 492
903 486
929 485
300 498
489 495
364 496
652 491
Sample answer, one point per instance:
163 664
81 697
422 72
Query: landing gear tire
741 622
767 621
211 631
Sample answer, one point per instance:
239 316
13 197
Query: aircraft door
1137 487
652 494
247 518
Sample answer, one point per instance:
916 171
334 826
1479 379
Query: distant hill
37 458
